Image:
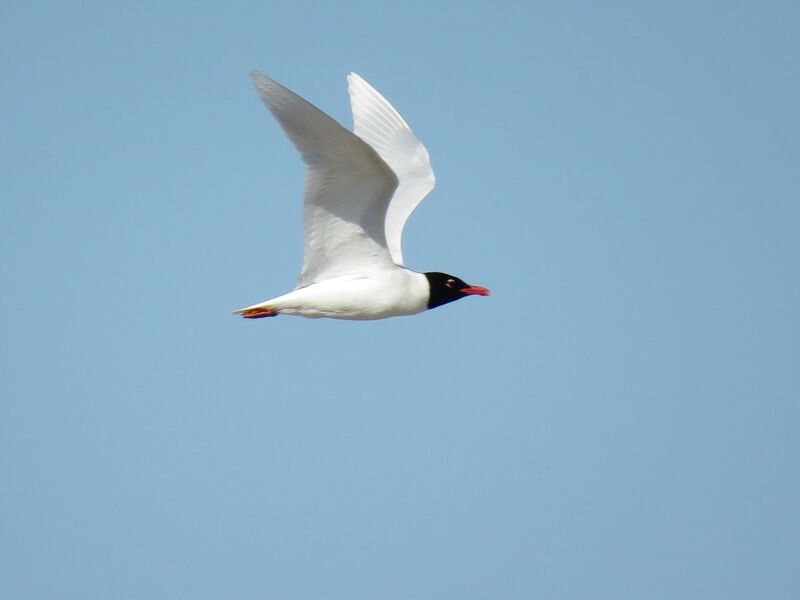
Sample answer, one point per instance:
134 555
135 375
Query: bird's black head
446 288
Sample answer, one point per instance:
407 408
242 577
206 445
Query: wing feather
381 126
348 188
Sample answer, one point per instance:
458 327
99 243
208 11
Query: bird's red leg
259 313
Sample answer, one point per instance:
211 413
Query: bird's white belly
376 296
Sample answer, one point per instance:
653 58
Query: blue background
620 418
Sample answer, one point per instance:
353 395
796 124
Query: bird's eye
450 283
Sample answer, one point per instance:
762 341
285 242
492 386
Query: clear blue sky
619 420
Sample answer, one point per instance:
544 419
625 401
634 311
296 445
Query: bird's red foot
258 313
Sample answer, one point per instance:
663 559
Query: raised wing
348 188
381 126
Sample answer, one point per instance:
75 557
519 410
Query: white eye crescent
450 283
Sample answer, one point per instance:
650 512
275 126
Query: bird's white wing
381 126
348 188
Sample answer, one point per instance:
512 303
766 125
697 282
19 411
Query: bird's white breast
386 293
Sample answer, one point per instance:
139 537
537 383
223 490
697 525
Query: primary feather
381 126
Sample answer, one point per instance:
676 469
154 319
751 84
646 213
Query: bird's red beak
476 290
